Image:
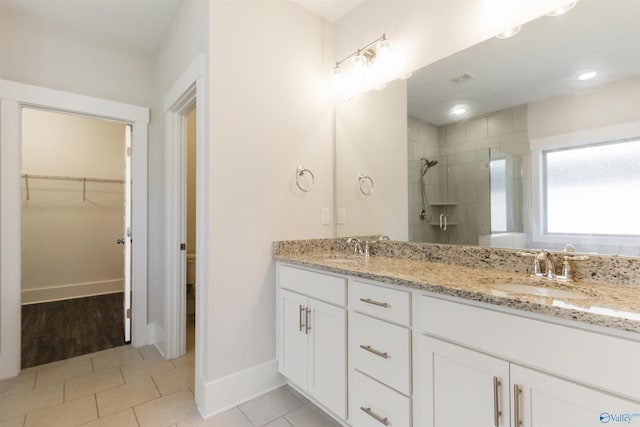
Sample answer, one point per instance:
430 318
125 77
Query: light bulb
509 33
587 76
459 110
337 77
360 61
383 50
562 10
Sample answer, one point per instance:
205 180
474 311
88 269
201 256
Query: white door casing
126 232
14 96
186 93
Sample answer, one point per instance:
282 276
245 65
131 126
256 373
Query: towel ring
366 185
300 172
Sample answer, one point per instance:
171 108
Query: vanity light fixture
562 10
587 76
509 33
366 56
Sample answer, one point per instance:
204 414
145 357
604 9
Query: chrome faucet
357 247
543 265
541 258
544 256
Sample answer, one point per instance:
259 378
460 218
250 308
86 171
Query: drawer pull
517 391
300 321
374 351
378 303
496 401
375 416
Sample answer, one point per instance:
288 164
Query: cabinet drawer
374 405
381 350
383 303
323 287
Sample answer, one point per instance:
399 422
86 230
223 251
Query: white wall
269 113
68 242
47 54
371 135
187 36
612 104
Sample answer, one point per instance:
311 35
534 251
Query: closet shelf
83 180
72 178
443 203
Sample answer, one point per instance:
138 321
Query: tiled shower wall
462 173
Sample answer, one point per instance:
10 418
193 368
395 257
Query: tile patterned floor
125 386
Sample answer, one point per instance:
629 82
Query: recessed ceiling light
587 76
459 110
562 10
509 33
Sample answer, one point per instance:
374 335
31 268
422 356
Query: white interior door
128 151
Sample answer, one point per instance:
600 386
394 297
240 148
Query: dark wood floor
61 329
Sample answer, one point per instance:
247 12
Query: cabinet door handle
517 391
496 401
375 416
307 321
378 303
300 321
374 351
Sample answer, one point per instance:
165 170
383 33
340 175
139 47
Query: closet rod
73 178
84 181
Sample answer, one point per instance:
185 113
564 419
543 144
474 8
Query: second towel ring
300 172
366 185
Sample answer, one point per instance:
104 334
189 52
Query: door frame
187 92
14 96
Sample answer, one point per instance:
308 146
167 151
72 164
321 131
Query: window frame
592 137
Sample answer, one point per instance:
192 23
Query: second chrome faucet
543 265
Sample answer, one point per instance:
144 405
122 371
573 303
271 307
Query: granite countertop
611 305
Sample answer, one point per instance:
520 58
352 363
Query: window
498 174
593 190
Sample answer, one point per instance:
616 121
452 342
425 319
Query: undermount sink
539 291
339 258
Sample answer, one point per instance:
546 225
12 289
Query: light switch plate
342 215
326 216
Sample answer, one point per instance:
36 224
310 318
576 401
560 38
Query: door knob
120 241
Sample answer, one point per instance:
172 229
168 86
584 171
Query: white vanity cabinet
457 387
379 355
469 364
468 388
312 323
548 401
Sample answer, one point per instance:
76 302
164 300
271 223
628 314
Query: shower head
427 164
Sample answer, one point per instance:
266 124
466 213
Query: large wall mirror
532 141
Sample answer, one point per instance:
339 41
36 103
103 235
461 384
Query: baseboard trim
225 393
156 337
71 291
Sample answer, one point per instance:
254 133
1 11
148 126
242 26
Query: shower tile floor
126 386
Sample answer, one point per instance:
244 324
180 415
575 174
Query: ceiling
542 61
331 10
139 23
